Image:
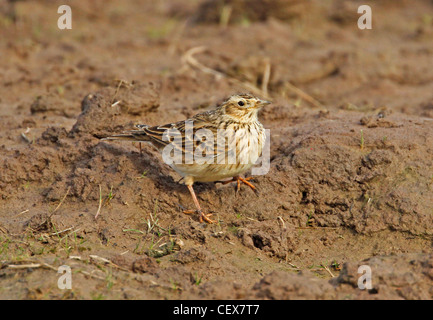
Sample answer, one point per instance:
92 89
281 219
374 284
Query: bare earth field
351 176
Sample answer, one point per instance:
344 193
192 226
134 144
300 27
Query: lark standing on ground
244 136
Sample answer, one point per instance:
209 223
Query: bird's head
243 107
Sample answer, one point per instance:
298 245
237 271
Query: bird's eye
241 103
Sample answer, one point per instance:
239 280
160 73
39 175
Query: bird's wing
191 138
183 135
195 137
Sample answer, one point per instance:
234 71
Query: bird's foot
202 215
239 181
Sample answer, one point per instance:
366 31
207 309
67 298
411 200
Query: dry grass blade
282 222
99 259
116 103
100 202
96 259
76 258
70 233
31 266
304 95
176 39
22 212
188 57
266 76
3 230
226 12
46 265
59 232
25 138
316 228
121 82
24 266
91 275
61 201
327 270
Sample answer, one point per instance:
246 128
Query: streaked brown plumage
244 139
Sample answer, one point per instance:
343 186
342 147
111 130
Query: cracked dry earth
350 180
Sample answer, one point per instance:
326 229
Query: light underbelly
217 172
246 156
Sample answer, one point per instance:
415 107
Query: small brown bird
211 146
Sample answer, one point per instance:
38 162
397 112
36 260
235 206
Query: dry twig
226 12
100 202
63 199
304 95
189 58
22 212
31 265
282 222
266 76
327 270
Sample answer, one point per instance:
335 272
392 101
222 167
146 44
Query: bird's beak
263 103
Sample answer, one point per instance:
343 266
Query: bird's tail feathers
134 135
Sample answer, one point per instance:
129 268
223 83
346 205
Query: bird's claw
202 216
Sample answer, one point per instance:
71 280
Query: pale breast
243 147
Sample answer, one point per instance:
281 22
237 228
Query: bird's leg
139 148
203 216
240 180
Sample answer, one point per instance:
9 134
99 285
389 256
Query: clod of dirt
124 260
266 237
176 278
280 285
53 135
373 122
188 229
223 290
405 276
190 256
39 223
145 265
100 110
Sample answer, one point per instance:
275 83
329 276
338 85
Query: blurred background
310 45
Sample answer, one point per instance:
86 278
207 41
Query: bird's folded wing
196 136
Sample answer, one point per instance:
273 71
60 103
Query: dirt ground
351 125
